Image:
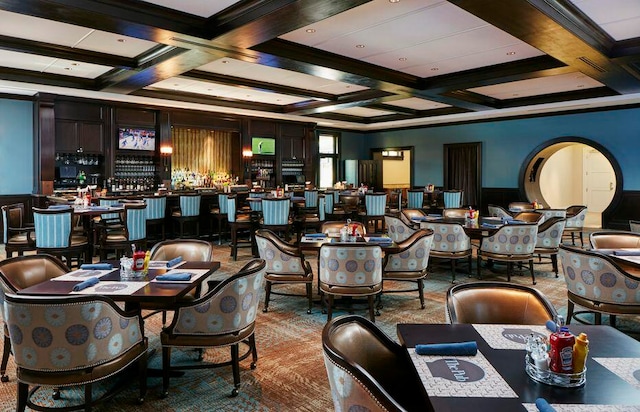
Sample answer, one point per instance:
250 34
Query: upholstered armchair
549 213
614 239
367 370
455 213
54 234
576 216
350 269
397 229
17 237
409 263
73 341
530 217
450 242
407 216
285 265
224 317
599 283
134 231
499 211
548 240
510 244
497 302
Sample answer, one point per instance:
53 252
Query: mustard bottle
580 351
147 257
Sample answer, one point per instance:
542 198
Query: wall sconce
247 153
166 151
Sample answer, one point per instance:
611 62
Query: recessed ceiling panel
63 34
363 112
619 18
52 65
420 38
239 68
416 103
196 7
539 86
224 91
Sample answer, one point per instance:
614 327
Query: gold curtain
201 150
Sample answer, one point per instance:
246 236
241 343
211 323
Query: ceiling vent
592 64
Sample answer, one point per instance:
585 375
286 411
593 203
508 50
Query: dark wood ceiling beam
28 76
558 97
362 98
209 100
537 23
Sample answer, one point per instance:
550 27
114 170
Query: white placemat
462 376
572 407
162 264
113 288
195 274
509 336
627 369
82 274
312 239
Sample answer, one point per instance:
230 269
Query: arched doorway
571 171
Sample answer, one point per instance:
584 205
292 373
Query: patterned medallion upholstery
225 316
450 242
549 238
350 270
575 222
598 283
409 262
549 213
415 199
72 340
510 243
285 265
397 229
498 211
371 379
16 236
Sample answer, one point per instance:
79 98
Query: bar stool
189 211
220 214
156 207
375 205
275 215
237 222
134 232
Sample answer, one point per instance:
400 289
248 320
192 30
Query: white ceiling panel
416 103
224 91
52 65
239 68
539 86
362 112
619 18
196 7
63 34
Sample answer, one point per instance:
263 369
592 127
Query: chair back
53 227
349 202
187 249
397 229
449 237
366 369
103 201
71 333
136 220
329 201
280 257
350 266
322 208
375 203
614 239
455 213
256 206
310 198
531 217
550 233
514 240
408 214
517 207
452 198
576 216
549 213
415 199
20 272
498 303
634 226
232 208
190 205
497 211
275 212
333 228
12 217
156 207
232 304
394 201
413 253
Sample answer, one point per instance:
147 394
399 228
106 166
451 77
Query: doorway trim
410 149
529 168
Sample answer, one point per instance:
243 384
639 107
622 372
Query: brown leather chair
361 357
18 237
614 239
77 348
19 273
455 213
407 214
498 302
333 228
517 207
530 217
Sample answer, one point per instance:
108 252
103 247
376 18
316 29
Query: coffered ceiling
353 64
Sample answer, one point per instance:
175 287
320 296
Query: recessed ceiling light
515 95
278 100
580 85
248 95
348 86
68 68
394 1
121 40
310 30
360 46
74 64
225 61
511 53
403 59
435 69
176 84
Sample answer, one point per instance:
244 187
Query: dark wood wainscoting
617 216
500 196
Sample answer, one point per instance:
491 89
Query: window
328 149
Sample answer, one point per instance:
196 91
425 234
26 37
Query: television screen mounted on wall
137 139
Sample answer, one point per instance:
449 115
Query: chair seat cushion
78 240
20 239
406 275
546 250
351 291
206 340
289 277
450 255
504 257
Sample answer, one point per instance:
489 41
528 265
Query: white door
599 184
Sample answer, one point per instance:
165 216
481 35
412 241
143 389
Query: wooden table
603 385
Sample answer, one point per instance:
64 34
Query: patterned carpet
290 375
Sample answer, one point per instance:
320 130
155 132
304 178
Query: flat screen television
136 139
263 145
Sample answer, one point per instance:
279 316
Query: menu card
509 336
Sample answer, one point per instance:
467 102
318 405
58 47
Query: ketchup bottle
138 259
561 353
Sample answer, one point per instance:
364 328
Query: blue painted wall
507 143
16 147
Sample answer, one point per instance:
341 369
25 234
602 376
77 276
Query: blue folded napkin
117 205
628 252
448 349
174 277
174 261
420 218
380 239
490 226
543 405
552 326
86 284
97 266
98 207
57 207
514 221
316 235
434 215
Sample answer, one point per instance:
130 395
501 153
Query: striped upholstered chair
155 212
55 236
450 242
275 215
219 213
189 212
73 341
375 207
238 222
134 232
329 202
452 199
415 199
